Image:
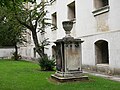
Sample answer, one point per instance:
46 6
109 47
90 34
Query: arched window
102 52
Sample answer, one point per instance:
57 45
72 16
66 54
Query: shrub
46 63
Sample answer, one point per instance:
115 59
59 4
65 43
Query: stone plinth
68 60
69 79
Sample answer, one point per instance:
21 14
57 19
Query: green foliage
30 15
46 64
7 2
10 35
11 32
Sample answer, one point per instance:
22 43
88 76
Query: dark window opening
100 3
104 2
54 21
102 52
71 11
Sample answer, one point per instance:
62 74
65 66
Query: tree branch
39 16
23 23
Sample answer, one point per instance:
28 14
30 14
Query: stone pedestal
68 57
68 60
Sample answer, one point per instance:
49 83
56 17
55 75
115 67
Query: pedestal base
69 79
69 73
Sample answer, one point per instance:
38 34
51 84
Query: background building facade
96 22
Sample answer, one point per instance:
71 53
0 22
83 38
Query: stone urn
67 26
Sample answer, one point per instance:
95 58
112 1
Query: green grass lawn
21 75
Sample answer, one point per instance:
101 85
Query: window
54 21
71 11
104 3
101 7
102 52
100 3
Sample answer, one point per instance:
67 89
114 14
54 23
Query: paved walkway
115 78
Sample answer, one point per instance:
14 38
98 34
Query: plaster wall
114 15
88 27
85 20
6 52
88 48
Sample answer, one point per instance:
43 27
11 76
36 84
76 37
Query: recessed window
54 21
71 11
100 3
101 7
104 3
102 52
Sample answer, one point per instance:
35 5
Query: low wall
6 52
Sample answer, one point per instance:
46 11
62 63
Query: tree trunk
39 50
16 52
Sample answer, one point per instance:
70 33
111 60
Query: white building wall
85 20
86 28
88 48
61 16
114 15
6 52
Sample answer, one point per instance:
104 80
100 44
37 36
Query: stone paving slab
115 78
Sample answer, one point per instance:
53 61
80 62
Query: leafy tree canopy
11 32
8 2
30 15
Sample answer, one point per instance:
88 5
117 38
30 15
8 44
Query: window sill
103 65
73 20
101 10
